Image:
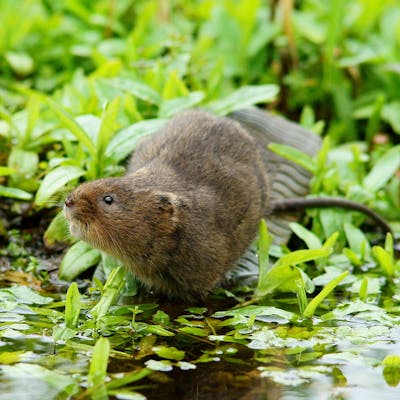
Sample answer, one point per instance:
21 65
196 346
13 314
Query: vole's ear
167 210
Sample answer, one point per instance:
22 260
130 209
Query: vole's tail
287 179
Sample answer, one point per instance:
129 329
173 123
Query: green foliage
83 82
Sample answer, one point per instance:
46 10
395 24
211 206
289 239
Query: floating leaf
52 384
163 365
255 311
23 295
171 353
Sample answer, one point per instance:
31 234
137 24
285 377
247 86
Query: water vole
190 203
188 207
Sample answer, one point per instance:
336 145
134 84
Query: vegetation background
82 81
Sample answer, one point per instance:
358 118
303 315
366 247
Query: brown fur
187 209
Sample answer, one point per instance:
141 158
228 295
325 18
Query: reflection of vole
190 203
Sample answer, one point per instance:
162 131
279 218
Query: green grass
82 82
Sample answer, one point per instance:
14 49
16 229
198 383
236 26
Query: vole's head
110 214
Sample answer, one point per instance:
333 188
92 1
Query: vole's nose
69 202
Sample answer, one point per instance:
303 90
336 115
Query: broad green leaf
311 240
391 114
78 259
69 123
173 106
158 330
385 260
320 297
125 141
300 256
357 241
23 295
244 97
91 125
24 162
292 154
14 193
383 170
12 357
57 231
55 180
72 306
22 63
194 331
138 89
285 276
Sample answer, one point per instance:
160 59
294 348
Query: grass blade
68 121
292 154
111 290
319 298
264 243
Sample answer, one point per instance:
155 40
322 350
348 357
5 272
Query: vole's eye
108 199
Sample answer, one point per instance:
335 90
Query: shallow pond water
339 357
